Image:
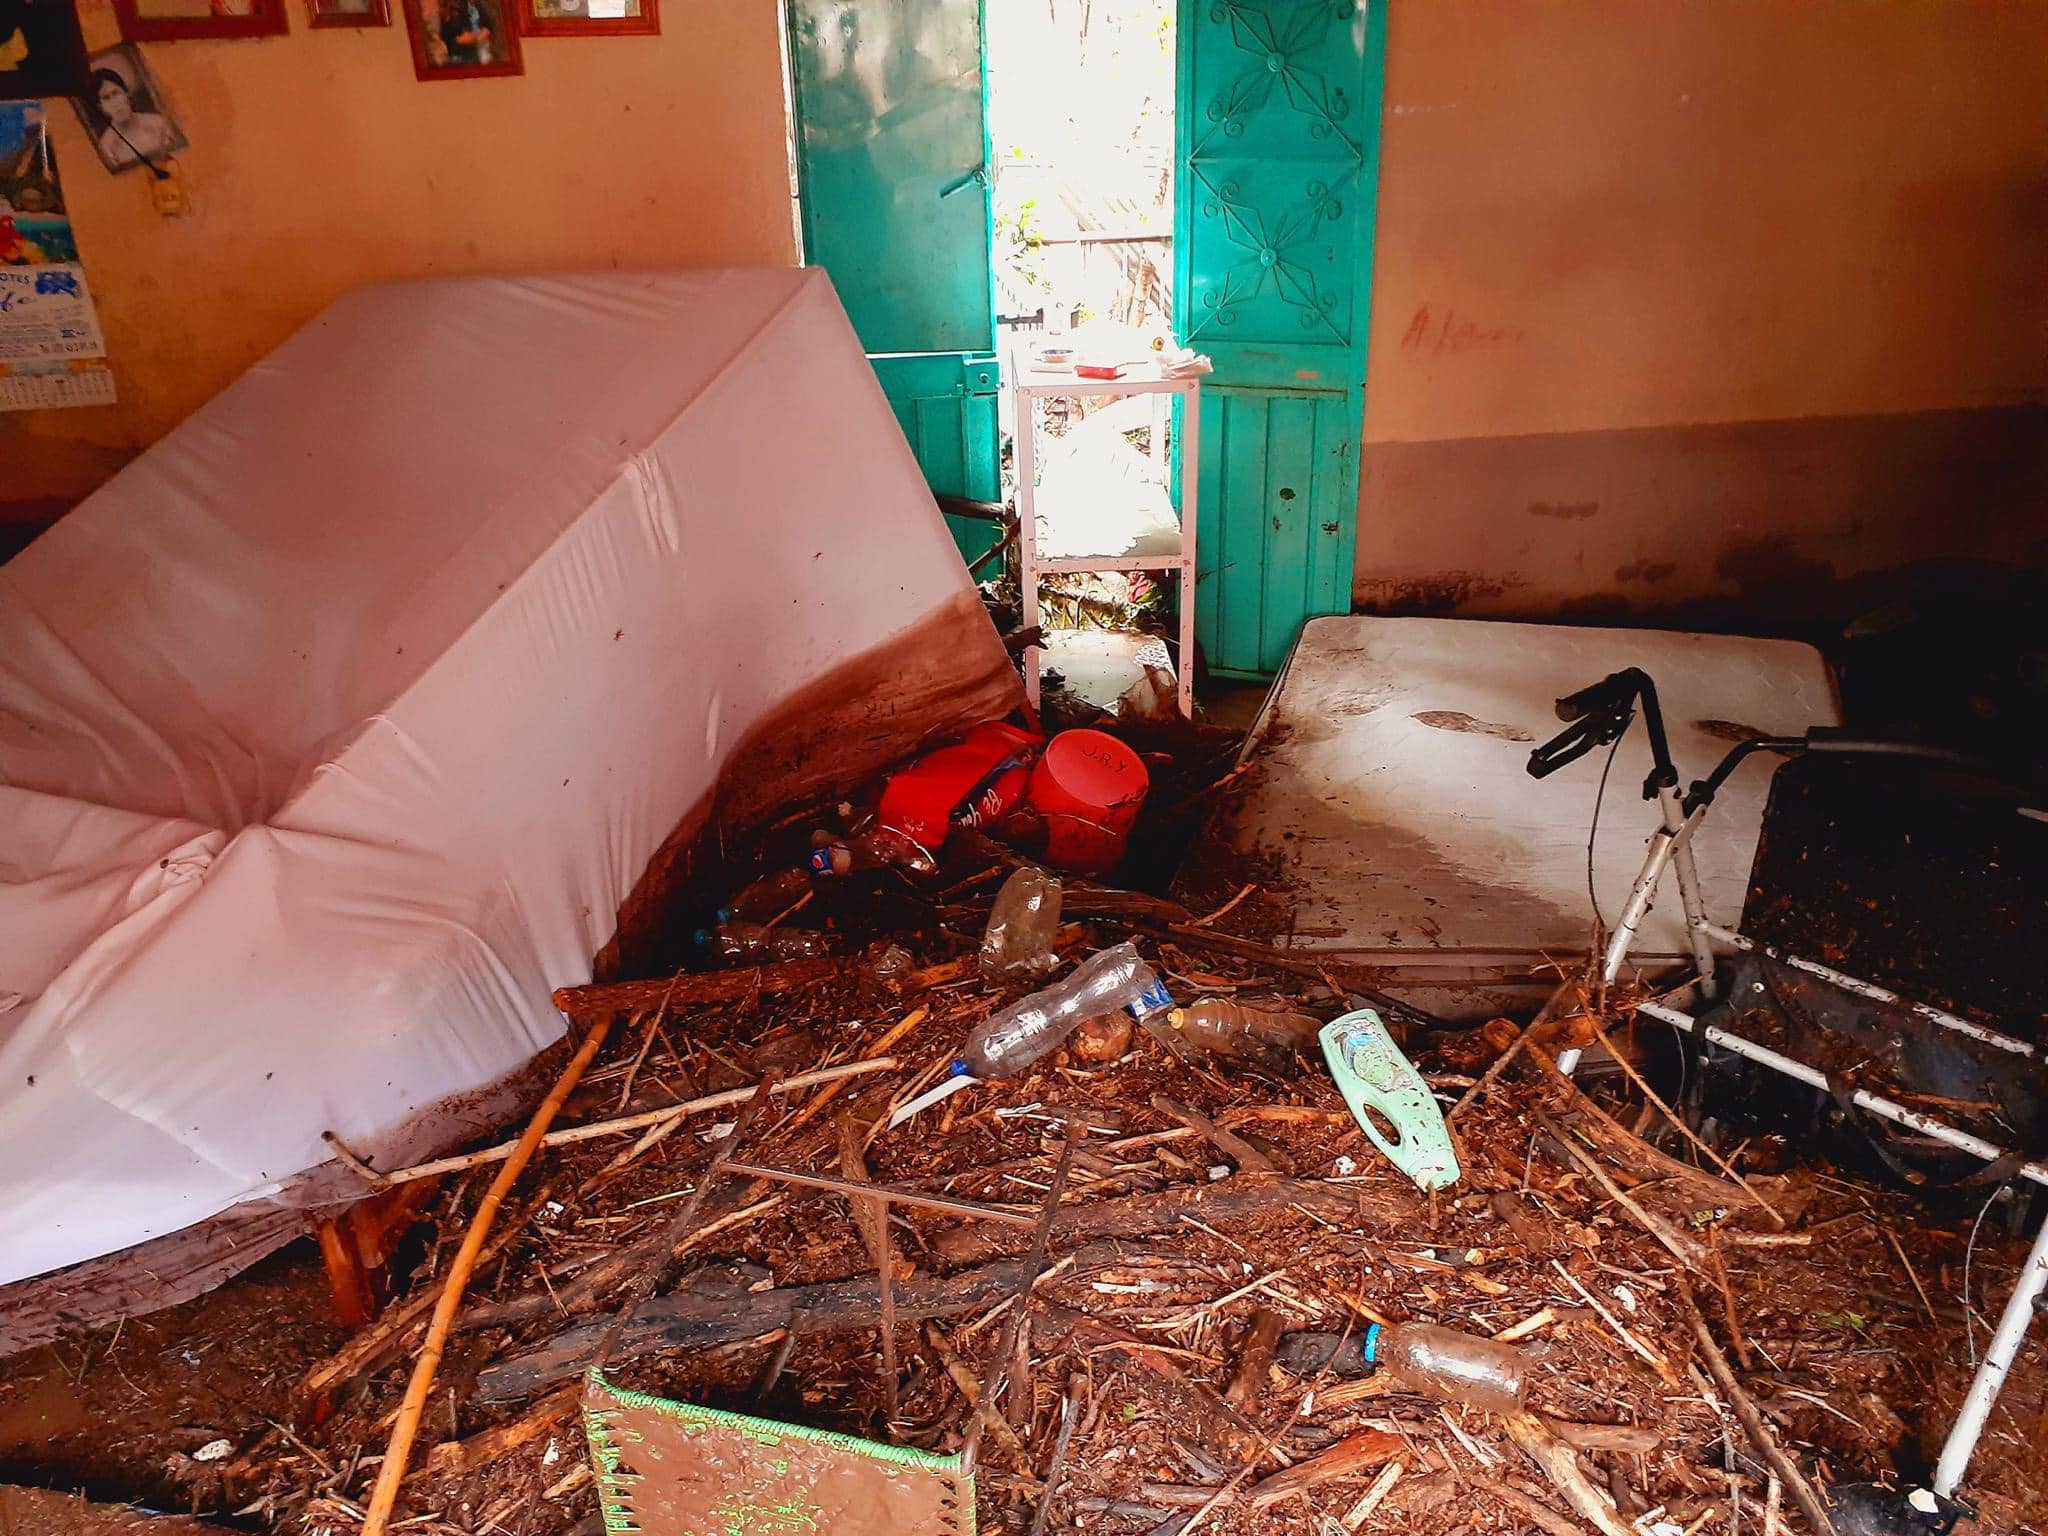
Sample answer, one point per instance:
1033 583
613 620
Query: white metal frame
1030 385
1671 847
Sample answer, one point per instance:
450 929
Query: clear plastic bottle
877 848
751 941
1447 1364
1021 925
759 900
1218 1026
1005 1043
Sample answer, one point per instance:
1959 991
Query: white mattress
334 730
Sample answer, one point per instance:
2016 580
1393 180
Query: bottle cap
821 860
959 1069
1371 1351
703 935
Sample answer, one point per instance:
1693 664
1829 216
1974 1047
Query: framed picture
124 112
462 39
348 13
589 18
41 53
166 21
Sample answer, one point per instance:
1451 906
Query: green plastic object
667 1468
1372 1074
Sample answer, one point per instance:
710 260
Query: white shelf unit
1155 538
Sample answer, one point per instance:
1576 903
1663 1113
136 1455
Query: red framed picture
169 21
348 13
462 39
589 18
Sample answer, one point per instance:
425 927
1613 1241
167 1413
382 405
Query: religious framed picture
124 112
167 21
348 13
41 53
462 39
589 18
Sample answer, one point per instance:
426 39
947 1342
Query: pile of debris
1147 1225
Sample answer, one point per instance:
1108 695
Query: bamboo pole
399 1449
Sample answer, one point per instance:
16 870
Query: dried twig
1753 1421
1684 1249
391 1473
655 1117
1034 1266
1561 1465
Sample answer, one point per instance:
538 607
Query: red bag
971 784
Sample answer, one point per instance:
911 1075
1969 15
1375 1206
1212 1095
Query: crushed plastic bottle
1010 1041
877 848
759 900
1449 1365
752 941
1218 1026
1026 915
1007 1042
889 962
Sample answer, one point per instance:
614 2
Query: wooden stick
1248 1157
398 1449
354 1357
1347 1458
1727 1168
1070 1414
1650 1356
970 1390
823 1096
1370 1499
1681 1247
1625 1147
1561 1465
1753 1422
888 1194
1727 1290
1034 1266
355 1164
1254 1358
640 1121
871 1215
1532 1510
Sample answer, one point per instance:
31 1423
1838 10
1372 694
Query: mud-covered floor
1201 1196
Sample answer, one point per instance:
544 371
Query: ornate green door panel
1278 138
891 153
1288 456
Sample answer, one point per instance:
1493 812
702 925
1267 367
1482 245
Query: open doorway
1081 97
1080 121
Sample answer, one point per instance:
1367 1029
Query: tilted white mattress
335 729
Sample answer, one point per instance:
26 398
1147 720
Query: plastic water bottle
1447 1364
738 940
878 848
1218 1026
1005 1043
1026 915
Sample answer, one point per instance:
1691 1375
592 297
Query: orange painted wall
1655 281
318 162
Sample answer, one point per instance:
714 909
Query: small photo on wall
123 111
462 39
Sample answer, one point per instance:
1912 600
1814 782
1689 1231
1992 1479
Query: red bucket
1088 787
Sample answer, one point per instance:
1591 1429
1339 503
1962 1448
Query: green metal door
892 154
1278 142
